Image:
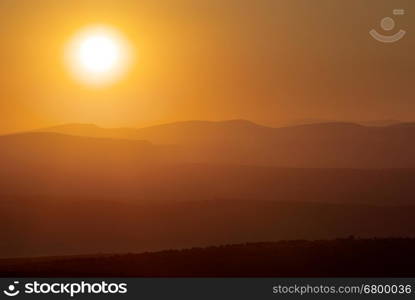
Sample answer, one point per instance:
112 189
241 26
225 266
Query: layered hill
325 145
73 194
56 165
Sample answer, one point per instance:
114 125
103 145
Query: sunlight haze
209 60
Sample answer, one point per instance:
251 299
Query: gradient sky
269 61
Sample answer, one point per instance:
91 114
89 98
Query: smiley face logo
388 24
11 290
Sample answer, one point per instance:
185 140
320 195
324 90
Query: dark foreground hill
41 226
326 258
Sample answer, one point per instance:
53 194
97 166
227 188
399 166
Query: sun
98 55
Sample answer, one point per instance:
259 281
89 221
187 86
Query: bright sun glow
98 55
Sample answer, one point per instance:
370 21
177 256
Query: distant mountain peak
381 123
404 125
330 125
74 125
203 124
239 121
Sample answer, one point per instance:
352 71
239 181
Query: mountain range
324 145
77 189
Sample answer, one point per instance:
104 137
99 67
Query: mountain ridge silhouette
349 257
322 145
66 194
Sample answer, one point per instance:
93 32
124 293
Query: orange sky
269 61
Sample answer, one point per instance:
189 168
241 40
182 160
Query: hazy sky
269 61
